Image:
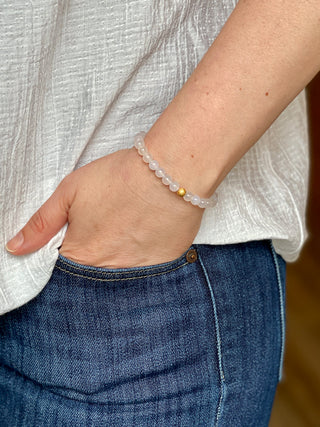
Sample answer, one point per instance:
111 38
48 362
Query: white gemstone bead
166 180
202 204
160 173
139 141
195 200
188 196
147 158
174 186
142 151
154 165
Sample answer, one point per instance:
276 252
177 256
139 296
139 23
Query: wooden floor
297 402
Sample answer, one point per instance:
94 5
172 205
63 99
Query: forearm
265 55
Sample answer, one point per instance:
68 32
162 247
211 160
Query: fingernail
15 243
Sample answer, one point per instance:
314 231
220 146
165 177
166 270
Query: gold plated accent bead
181 192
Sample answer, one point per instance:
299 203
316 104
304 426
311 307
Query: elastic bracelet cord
167 180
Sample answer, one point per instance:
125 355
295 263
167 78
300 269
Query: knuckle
37 222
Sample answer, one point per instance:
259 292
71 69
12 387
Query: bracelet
167 180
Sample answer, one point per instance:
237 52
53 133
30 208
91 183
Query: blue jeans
193 342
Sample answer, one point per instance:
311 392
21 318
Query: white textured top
78 80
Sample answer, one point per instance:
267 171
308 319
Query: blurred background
297 402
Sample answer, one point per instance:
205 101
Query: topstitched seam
219 347
98 279
71 265
282 313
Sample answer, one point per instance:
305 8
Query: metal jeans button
192 255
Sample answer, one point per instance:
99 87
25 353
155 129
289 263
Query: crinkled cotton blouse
79 79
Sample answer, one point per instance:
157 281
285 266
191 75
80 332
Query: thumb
45 223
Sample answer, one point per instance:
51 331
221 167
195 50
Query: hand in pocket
119 215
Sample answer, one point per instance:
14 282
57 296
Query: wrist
166 179
144 185
183 158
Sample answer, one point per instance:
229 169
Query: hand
119 215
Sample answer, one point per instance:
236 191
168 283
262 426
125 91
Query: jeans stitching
221 373
282 313
100 270
98 279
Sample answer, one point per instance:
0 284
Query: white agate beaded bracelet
167 180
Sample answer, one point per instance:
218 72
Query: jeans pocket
105 274
92 346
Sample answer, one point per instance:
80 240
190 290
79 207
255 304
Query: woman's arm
119 214
264 56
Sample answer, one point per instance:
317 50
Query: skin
119 213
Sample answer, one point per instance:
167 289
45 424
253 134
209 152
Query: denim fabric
194 342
